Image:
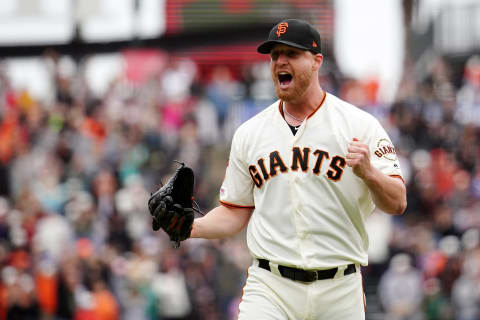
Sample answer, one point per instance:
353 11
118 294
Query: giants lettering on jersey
385 149
264 170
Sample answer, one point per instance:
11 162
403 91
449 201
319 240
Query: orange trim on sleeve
397 176
232 205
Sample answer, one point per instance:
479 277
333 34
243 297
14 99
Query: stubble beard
295 93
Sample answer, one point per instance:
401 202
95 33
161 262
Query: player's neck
306 106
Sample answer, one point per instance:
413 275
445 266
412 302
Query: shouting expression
292 72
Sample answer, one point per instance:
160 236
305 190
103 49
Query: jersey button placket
302 226
294 180
298 206
293 191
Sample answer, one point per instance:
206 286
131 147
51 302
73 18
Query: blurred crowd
76 171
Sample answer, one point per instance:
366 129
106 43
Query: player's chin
285 94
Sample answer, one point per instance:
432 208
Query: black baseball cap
292 32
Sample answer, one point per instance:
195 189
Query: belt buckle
312 275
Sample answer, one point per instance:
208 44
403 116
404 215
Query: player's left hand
358 158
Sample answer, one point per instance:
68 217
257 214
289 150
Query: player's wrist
194 232
369 176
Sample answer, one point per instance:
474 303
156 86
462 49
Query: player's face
292 72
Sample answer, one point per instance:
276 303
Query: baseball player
304 175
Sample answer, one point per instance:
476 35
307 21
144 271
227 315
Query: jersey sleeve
237 187
383 154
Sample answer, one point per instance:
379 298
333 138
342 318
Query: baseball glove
171 206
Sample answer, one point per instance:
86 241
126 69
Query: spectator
400 289
76 170
466 288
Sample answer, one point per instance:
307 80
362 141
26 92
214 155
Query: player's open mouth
284 79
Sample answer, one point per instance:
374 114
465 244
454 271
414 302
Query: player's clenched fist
358 158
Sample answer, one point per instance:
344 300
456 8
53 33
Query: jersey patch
386 150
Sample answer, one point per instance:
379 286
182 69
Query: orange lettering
282 28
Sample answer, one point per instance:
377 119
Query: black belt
306 275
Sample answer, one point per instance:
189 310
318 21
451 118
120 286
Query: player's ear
317 61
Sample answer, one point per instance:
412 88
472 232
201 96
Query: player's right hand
358 158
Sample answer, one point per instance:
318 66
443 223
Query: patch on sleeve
386 150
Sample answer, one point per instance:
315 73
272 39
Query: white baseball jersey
310 208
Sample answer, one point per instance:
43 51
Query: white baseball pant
269 296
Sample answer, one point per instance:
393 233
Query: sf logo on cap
282 28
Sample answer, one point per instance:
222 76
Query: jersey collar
280 106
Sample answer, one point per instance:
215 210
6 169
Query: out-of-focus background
97 97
